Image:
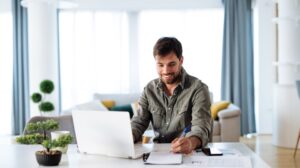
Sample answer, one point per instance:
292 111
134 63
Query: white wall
5 6
147 4
266 71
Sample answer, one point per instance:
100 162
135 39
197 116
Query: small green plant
38 135
46 87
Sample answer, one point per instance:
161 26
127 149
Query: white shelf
296 64
287 19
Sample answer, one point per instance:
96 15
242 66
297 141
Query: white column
286 102
134 84
43 48
265 44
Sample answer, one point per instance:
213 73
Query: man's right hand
182 145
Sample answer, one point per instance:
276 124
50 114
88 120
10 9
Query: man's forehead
167 58
166 61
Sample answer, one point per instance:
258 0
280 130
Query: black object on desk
145 156
212 152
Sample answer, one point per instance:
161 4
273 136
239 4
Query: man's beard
175 78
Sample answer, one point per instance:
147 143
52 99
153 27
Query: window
6 71
93 54
96 49
201 37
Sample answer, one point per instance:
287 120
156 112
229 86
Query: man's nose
165 69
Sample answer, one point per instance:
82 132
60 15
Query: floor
276 157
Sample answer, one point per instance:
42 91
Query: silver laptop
106 133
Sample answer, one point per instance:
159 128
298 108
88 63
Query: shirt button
169 108
167 123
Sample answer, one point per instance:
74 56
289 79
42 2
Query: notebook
106 133
163 158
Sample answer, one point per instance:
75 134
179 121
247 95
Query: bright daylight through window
6 68
111 52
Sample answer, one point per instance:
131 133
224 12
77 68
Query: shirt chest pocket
183 117
158 117
182 111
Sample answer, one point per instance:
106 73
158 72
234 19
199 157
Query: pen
186 130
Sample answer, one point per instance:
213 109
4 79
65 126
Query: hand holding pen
185 131
182 144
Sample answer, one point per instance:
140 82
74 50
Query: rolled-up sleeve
201 119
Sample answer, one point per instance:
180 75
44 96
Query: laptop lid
104 132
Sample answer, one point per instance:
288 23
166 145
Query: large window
6 58
94 56
111 52
201 38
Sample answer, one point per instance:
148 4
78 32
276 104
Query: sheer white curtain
94 56
6 71
201 34
94 49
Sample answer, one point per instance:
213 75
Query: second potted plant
46 88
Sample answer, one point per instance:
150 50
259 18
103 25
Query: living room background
265 40
111 52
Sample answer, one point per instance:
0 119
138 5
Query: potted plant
46 87
38 134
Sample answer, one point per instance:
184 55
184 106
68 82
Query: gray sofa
225 129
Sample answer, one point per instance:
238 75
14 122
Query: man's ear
181 60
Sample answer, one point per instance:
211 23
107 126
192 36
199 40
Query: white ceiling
132 5
135 5
5 6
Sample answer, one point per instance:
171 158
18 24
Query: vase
45 159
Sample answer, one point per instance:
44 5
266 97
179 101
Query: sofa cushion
135 106
216 128
120 99
108 103
218 106
92 105
126 107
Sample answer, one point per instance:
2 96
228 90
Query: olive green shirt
169 115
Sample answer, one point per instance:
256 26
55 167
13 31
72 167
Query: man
174 102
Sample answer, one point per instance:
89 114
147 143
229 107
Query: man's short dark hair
166 45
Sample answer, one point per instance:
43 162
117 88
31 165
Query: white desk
17 156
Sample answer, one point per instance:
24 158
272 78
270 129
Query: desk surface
16 156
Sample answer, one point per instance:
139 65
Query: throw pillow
108 103
126 107
92 105
135 106
218 106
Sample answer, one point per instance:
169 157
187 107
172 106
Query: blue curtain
237 60
20 68
59 68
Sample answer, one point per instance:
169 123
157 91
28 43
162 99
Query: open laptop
106 133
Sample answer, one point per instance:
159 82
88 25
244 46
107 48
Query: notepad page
164 158
219 161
